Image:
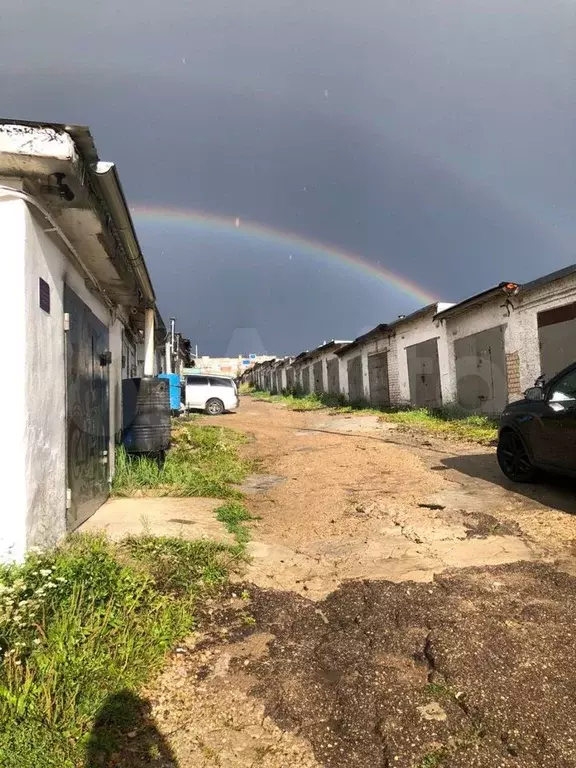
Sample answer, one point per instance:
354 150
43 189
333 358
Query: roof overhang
474 302
380 330
60 168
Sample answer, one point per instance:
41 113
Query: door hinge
68 498
66 321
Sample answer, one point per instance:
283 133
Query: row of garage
479 354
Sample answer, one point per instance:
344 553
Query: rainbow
209 223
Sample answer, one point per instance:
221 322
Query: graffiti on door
87 410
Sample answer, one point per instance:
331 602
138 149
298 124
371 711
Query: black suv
539 432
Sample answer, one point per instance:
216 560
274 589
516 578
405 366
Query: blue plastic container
174 381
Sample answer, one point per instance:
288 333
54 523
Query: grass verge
295 402
445 423
202 461
234 514
87 623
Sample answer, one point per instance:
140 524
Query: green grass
440 690
234 514
433 759
446 423
202 461
294 402
85 624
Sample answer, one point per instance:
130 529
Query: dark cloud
431 137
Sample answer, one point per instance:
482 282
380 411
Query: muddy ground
405 606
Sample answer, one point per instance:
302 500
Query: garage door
87 410
318 377
306 379
481 371
378 379
557 337
355 380
333 370
424 374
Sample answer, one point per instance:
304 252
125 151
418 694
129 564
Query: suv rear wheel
513 458
214 407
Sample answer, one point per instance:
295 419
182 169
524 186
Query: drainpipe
168 358
149 342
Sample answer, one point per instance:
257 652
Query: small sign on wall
44 295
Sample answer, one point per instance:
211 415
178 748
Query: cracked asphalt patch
476 668
473 670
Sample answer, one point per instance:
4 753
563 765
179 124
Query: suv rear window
197 381
216 382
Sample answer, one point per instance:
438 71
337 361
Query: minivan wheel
513 458
214 407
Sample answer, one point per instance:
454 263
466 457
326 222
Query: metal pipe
106 177
172 327
168 358
149 342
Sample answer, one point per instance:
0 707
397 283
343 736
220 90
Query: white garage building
82 314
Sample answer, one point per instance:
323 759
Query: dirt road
404 606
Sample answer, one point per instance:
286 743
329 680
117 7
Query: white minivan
212 394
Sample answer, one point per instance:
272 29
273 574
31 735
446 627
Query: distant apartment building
227 366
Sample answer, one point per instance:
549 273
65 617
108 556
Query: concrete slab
188 518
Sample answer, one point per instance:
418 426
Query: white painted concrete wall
374 346
12 383
523 327
519 316
343 371
415 332
325 357
46 381
489 315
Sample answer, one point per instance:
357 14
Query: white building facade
502 340
80 304
423 358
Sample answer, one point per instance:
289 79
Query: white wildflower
45 571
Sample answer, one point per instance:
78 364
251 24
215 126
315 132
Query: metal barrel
146 415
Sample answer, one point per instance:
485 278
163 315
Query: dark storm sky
434 136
